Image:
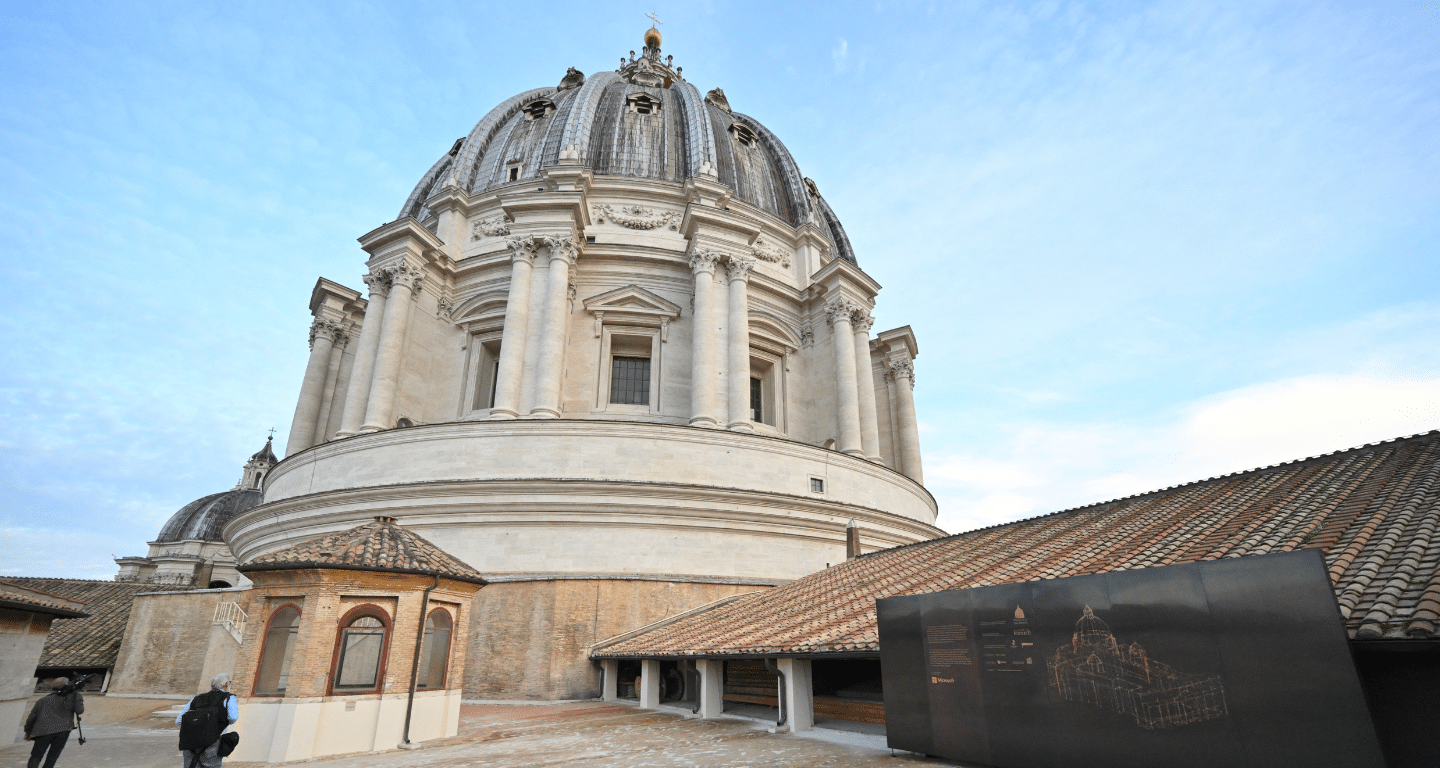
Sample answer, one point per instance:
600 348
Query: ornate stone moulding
636 217
492 227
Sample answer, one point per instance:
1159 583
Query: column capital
522 248
738 269
403 273
839 308
378 281
562 247
706 261
861 320
901 369
327 329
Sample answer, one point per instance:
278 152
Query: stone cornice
840 271
567 205
407 231
897 343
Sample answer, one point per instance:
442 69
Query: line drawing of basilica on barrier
1094 669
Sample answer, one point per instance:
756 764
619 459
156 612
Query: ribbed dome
204 517
642 121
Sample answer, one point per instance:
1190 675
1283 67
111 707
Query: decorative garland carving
762 251
493 227
636 217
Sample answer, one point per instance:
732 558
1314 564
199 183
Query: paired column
706 322
839 312
517 325
357 393
865 379
738 272
556 322
328 392
379 410
312 389
902 375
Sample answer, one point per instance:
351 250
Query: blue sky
1140 244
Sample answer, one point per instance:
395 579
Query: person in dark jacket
219 688
50 723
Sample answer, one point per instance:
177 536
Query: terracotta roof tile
93 641
23 598
377 546
1374 510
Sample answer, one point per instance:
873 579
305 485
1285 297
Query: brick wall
324 597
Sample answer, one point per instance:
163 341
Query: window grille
630 381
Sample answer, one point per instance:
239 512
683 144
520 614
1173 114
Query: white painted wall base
799 695
712 687
610 686
284 730
649 684
12 716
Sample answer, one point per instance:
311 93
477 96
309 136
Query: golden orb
652 37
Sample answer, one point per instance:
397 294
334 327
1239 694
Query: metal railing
232 617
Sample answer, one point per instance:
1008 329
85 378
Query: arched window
360 654
275 653
435 653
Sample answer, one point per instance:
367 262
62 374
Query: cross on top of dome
648 70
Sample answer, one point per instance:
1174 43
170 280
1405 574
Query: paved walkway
587 733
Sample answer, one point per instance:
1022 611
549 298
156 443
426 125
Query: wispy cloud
1043 467
840 55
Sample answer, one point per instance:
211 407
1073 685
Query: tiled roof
1374 510
25 599
378 546
93 641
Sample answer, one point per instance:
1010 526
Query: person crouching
205 725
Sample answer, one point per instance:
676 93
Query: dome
1090 626
204 517
644 121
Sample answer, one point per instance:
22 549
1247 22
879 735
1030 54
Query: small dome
204 517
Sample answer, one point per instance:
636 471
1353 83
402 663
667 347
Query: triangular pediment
632 299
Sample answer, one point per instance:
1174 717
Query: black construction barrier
1233 662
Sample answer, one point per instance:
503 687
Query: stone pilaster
738 347
563 254
509 378
865 381
704 328
902 377
839 312
322 343
379 410
357 392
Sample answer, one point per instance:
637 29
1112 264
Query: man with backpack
204 725
51 721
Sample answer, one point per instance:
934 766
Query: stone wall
166 643
530 639
22 636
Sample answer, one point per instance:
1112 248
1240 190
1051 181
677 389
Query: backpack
202 724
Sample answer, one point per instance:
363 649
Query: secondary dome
643 120
204 518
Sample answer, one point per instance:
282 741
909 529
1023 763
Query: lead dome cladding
644 120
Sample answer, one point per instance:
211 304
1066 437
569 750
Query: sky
1140 244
